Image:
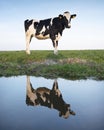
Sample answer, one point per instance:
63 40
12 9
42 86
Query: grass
76 64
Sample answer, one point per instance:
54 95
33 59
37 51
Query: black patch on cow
35 25
27 23
58 25
40 25
28 101
60 16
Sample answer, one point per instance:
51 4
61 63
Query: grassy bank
67 64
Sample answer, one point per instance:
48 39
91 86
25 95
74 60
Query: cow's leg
30 93
55 39
55 89
55 45
28 39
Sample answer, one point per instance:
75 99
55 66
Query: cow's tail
26 24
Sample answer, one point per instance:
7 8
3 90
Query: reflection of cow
49 98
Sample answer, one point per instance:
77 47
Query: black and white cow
48 28
49 98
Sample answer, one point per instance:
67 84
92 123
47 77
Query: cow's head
66 111
67 19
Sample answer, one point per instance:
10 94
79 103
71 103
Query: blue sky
87 29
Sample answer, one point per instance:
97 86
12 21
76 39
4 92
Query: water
35 103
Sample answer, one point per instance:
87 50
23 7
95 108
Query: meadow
69 64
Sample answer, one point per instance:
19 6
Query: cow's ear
73 16
60 16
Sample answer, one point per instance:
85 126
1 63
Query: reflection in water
51 98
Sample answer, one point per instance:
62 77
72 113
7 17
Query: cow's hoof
28 52
55 53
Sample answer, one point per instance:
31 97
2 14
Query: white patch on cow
31 29
69 25
30 32
55 50
67 15
41 37
51 21
43 29
47 27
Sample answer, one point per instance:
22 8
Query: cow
48 28
51 98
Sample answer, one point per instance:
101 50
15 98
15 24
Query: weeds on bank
75 64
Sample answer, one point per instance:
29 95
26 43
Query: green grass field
78 64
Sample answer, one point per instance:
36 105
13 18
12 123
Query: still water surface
36 103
